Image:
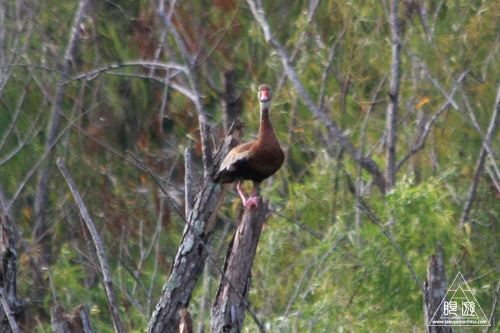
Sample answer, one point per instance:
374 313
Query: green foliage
353 278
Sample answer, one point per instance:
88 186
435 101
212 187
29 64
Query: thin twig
93 74
42 191
188 59
297 223
492 153
387 234
359 180
316 264
481 161
484 275
101 254
430 125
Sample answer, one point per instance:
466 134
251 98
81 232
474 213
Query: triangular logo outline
451 307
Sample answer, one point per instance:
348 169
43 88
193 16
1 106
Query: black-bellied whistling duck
256 160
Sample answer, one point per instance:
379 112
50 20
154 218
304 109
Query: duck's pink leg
250 202
254 199
240 192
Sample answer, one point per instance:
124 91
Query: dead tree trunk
231 104
62 322
192 251
231 300
10 307
434 292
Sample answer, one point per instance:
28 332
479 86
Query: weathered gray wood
62 322
231 300
58 321
192 250
10 306
8 313
435 291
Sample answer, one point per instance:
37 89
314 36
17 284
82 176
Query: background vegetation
119 100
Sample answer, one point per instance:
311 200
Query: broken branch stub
231 300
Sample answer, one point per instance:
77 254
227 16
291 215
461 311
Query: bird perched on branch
256 160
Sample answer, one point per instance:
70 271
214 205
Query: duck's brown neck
266 132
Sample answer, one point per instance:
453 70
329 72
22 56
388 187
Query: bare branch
359 182
22 41
481 161
297 223
8 312
36 165
193 82
188 59
3 10
93 74
387 234
101 254
57 110
328 69
311 279
392 108
311 11
492 153
428 127
15 118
